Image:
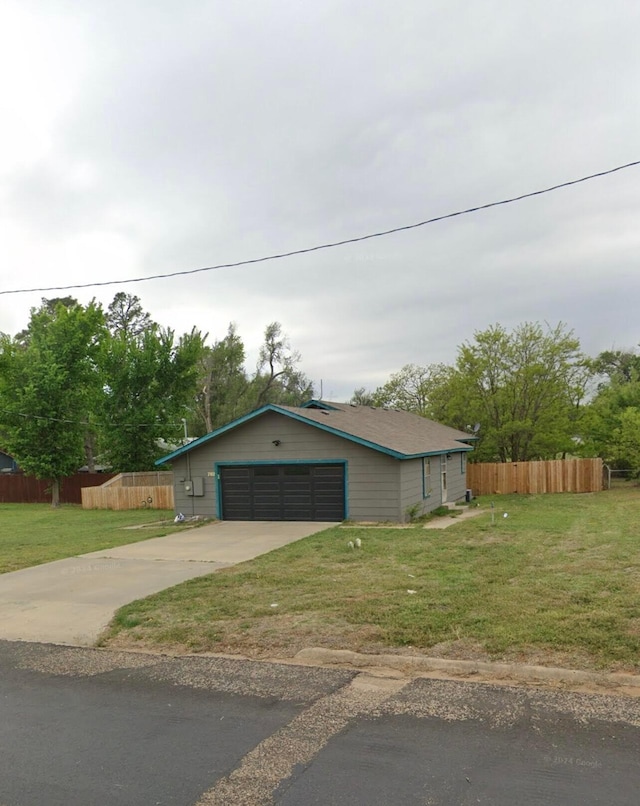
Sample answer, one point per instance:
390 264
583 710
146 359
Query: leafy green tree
47 306
149 379
608 421
223 384
525 388
625 443
126 317
621 366
225 390
416 389
362 397
278 378
47 379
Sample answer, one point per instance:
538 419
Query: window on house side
426 477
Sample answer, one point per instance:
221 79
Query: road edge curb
416 664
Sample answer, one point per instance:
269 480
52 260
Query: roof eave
439 452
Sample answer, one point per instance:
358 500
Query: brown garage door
295 492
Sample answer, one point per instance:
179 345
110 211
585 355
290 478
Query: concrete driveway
71 601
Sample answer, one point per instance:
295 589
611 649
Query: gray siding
456 477
412 488
373 479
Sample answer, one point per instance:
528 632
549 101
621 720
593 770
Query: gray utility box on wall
194 486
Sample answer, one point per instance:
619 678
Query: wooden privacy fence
150 478
153 490
553 476
16 488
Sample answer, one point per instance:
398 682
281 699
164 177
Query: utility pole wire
332 244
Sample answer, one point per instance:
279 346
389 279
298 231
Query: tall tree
223 383
149 380
609 423
524 387
622 366
625 443
416 389
126 317
278 378
47 378
362 397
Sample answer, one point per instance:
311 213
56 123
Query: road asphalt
86 727
71 601
90 727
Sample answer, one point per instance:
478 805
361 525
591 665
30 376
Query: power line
332 244
84 422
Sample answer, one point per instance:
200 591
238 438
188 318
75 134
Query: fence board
553 476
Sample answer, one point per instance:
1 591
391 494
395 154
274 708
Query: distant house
7 463
321 462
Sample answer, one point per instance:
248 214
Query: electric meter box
194 486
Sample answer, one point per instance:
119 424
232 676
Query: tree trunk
206 406
55 492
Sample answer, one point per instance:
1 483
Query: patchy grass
36 533
557 582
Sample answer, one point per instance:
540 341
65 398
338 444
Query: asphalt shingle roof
394 429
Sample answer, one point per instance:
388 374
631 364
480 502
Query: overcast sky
142 137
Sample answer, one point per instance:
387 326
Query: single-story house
321 462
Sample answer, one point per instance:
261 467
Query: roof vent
353 405
326 413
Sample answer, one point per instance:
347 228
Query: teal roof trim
461 449
317 404
218 432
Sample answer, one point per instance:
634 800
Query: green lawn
556 582
31 534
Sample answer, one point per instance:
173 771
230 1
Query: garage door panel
331 491
264 515
298 495
268 485
283 492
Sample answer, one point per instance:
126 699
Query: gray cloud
211 132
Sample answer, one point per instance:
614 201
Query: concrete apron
71 601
